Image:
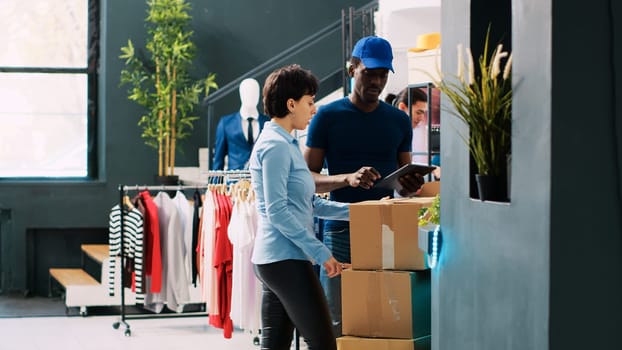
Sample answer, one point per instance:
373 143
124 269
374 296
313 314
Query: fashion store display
176 251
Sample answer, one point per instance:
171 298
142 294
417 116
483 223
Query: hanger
250 195
245 189
127 202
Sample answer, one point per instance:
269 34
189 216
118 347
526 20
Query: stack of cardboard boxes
386 295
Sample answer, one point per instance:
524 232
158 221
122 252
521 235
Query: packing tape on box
388 247
388 238
374 307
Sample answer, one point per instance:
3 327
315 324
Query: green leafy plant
431 215
484 104
161 83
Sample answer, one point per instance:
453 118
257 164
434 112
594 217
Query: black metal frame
428 86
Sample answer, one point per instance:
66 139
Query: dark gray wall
233 36
586 211
544 271
247 33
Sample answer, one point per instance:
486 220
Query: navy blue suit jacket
230 140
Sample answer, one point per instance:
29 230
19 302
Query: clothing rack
226 175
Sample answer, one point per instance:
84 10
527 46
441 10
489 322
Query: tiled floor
97 333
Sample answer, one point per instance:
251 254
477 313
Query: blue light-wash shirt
286 201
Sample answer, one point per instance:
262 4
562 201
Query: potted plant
162 83
431 215
430 237
484 103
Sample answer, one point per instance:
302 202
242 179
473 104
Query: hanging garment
185 212
132 246
152 250
196 227
212 283
205 249
223 264
246 288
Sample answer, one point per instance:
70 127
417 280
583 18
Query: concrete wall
544 271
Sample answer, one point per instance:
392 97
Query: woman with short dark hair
286 245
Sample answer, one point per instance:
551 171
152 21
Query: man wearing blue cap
360 139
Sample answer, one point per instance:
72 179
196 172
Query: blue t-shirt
352 139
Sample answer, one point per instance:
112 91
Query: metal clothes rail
223 175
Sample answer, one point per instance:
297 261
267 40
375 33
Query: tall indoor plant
161 82
483 101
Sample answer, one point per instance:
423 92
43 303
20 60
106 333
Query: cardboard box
386 304
384 234
430 189
358 343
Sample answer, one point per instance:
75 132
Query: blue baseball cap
374 52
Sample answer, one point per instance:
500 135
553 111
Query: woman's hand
364 177
334 267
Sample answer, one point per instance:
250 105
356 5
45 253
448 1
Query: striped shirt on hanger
132 244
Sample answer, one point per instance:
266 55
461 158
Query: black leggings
293 297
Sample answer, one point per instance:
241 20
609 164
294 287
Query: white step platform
82 290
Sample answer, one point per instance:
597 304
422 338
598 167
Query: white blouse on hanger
246 290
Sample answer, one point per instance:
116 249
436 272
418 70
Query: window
48 87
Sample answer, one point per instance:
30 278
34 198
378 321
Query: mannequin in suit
232 132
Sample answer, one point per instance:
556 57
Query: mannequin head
249 92
249 96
